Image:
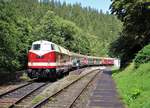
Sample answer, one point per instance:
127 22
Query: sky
97 4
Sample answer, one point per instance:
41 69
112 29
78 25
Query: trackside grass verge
134 85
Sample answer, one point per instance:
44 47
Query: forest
80 29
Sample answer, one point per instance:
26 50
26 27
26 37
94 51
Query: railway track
5 93
67 96
19 87
13 97
78 71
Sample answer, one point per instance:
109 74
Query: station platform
105 94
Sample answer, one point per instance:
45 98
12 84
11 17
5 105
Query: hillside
81 30
99 28
102 28
133 85
133 48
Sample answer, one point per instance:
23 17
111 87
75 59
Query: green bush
143 56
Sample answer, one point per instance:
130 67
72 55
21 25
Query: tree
136 25
105 27
14 37
143 56
62 32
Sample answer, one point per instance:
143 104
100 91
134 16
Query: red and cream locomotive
49 60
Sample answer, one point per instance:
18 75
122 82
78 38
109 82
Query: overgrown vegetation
15 33
133 85
133 45
143 56
78 29
133 82
136 28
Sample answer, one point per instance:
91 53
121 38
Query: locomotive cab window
36 47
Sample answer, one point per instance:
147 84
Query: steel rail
26 95
70 106
3 94
47 99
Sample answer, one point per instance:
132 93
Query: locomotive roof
58 48
65 51
42 41
76 54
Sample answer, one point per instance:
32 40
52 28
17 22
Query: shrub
143 56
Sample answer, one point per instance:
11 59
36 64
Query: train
49 60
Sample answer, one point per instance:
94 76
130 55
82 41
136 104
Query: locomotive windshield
43 47
36 47
46 47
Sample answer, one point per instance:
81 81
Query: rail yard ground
73 91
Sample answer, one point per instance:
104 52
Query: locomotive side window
36 47
53 47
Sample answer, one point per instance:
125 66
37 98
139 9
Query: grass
24 77
134 85
114 68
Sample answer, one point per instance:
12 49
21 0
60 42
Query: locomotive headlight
30 63
47 70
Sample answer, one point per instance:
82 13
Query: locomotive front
42 60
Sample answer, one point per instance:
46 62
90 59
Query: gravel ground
12 97
67 96
79 71
83 100
24 103
5 88
12 85
58 85
23 91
